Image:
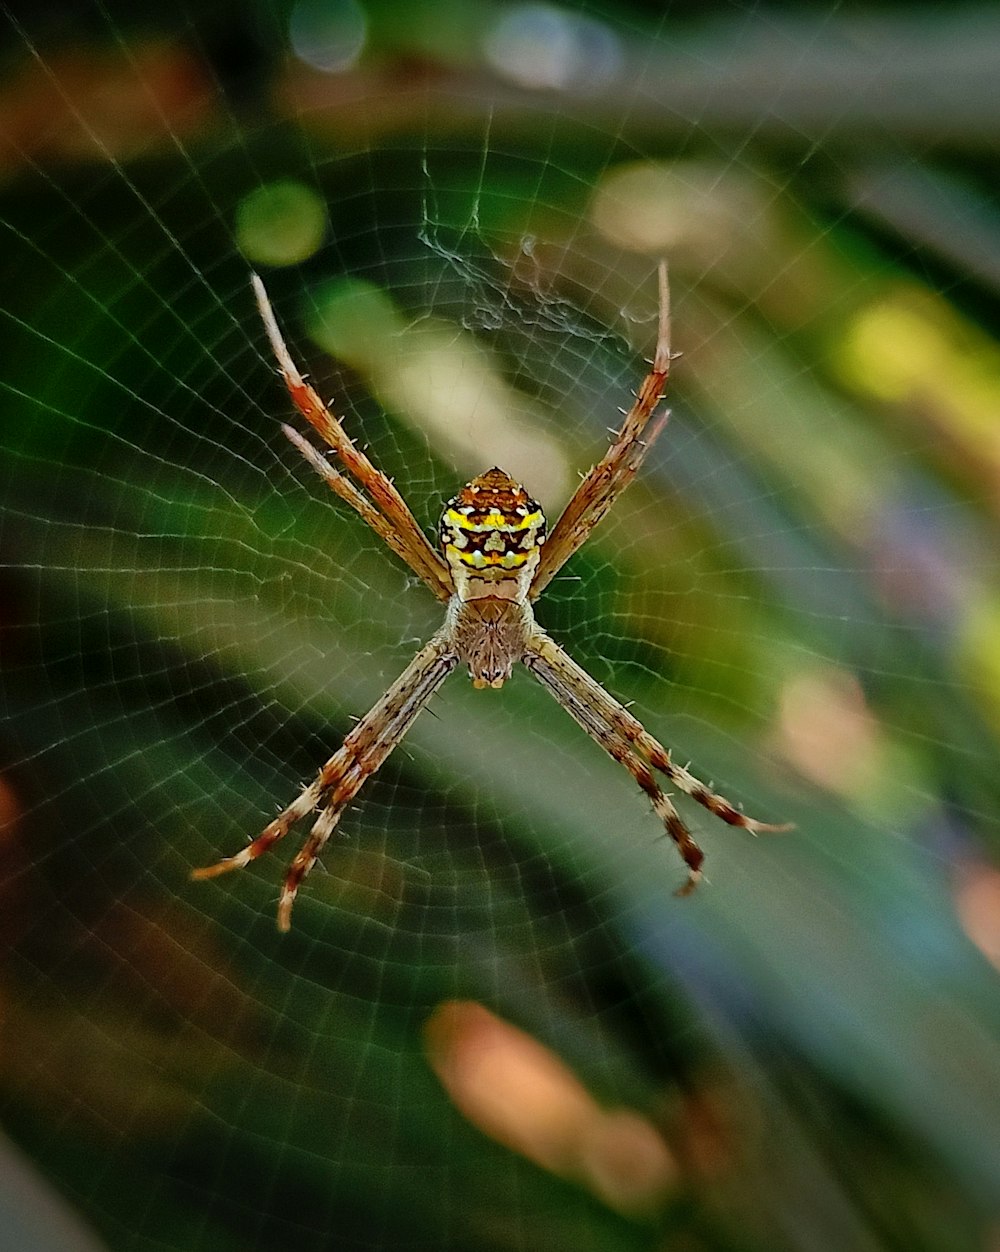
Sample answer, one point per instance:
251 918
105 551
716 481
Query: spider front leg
384 509
363 751
606 480
626 739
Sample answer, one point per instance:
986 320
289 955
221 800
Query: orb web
492 1023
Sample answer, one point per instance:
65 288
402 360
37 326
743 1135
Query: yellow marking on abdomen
476 559
493 521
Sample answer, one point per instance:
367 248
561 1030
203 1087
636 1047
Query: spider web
492 1024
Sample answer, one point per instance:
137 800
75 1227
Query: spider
496 559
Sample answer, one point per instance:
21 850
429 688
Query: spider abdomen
491 533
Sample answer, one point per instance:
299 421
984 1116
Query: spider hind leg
363 751
626 740
621 750
664 809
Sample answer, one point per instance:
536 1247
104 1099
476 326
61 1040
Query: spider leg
606 480
347 491
627 740
620 750
363 751
410 541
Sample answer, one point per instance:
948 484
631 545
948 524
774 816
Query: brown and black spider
497 559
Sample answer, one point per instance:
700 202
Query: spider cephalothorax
497 560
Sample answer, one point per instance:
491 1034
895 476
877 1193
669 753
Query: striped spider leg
387 513
496 559
363 751
620 734
605 481
627 741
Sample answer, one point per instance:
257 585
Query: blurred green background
493 1025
